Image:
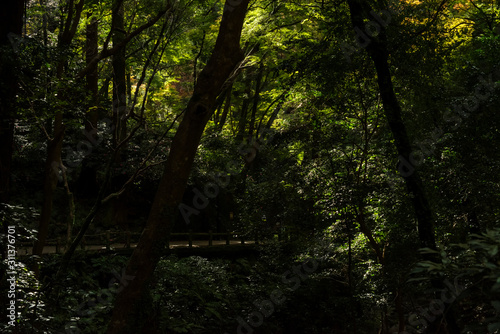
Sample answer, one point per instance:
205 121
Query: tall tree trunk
11 24
119 80
118 209
53 163
242 122
367 232
377 50
91 50
86 185
224 59
256 100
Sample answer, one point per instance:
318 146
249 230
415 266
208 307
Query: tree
224 59
53 162
377 50
119 82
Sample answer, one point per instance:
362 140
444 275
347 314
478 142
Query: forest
250 166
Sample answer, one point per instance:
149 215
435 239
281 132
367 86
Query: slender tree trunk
227 109
377 51
91 46
129 86
276 110
242 122
52 165
11 24
360 217
256 100
86 185
119 80
224 59
53 162
118 207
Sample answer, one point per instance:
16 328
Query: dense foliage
300 151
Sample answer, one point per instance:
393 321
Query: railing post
108 241
228 235
58 241
210 237
190 238
242 240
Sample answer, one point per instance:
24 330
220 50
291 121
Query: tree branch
109 52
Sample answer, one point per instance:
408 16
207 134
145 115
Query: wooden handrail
109 235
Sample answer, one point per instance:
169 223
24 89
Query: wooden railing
111 239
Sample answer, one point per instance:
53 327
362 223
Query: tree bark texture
256 99
86 185
91 51
119 81
224 59
377 50
53 163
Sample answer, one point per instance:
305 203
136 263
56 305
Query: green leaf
214 312
493 251
428 251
